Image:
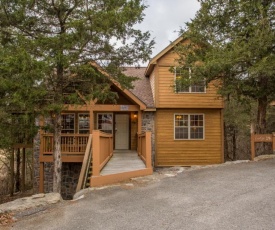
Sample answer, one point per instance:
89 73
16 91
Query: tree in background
49 46
233 41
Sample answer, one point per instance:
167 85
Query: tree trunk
18 164
226 148
57 153
234 145
23 174
12 173
261 115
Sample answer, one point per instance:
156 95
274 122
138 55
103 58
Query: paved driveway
238 196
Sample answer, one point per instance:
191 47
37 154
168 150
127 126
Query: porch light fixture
135 115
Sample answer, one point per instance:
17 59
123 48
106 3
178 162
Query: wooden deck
123 161
123 165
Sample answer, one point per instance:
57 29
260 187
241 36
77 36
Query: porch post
148 149
91 120
96 152
139 121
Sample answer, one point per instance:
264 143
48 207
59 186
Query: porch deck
121 164
123 161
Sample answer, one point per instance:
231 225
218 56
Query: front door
122 131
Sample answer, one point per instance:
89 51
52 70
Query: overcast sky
164 18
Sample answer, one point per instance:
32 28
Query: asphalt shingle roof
142 87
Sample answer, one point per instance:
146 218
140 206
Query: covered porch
106 139
101 164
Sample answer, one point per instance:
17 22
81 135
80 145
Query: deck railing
256 138
71 145
102 150
144 148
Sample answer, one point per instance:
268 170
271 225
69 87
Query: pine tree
233 41
53 43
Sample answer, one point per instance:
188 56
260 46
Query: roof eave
154 60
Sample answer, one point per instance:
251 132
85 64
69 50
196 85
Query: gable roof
142 87
126 92
153 61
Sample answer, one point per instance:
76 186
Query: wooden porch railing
145 148
85 165
102 150
71 145
256 138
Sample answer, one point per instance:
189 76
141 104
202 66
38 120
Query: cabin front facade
151 125
188 120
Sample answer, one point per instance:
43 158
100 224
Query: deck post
138 144
139 121
96 152
41 177
252 147
111 146
252 131
148 149
91 120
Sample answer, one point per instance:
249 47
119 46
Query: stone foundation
36 150
69 179
70 175
148 124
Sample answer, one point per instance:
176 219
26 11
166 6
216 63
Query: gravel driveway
235 196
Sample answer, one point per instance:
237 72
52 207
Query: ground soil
8 198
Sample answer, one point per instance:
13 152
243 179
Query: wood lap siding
188 152
167 98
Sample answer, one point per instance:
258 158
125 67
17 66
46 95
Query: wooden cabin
151 125
100 143
188 121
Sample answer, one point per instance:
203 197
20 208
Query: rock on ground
37 200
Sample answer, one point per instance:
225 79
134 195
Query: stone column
148 124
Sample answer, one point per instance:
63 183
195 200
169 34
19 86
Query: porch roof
142 87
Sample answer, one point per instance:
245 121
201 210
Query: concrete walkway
228 196
123 161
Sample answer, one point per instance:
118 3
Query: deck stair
102 165
89 175
86 166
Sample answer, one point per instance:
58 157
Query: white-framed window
68 123
83 123
180 73
188 126
105 122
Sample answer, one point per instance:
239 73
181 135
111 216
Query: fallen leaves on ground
6 218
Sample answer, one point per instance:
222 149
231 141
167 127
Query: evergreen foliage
232 41
52 50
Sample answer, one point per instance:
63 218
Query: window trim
74 129
189 139
189 87
78 123
98 119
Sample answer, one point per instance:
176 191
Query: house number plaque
124 107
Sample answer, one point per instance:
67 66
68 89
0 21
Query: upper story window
181 87
189 126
